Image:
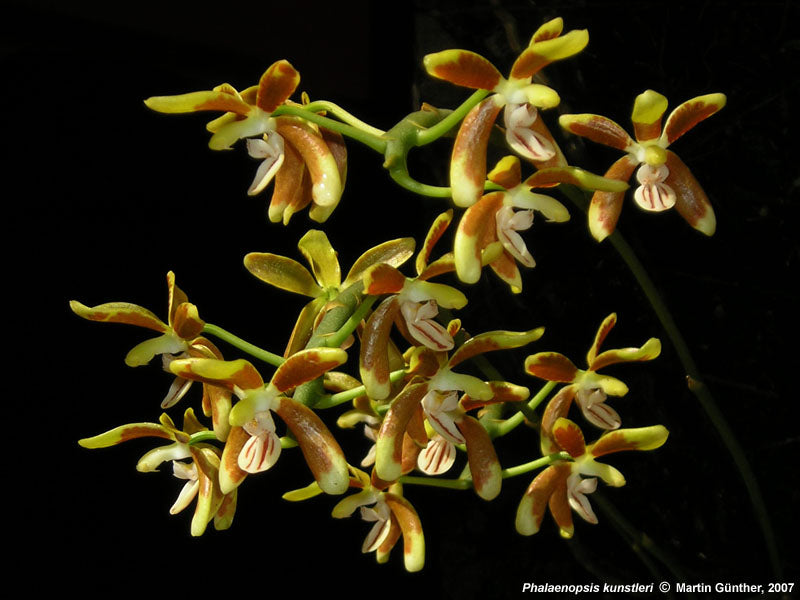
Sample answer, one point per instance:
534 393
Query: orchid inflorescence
413 391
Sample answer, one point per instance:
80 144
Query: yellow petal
648 109
282 272
319 253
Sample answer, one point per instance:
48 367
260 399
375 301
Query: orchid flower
564 486
201 474
324 282
588 387
495 218
308 163
412 304
253 445
180 336
526 134
392 516
664 180
434 392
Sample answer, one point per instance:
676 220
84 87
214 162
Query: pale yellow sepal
648 107
305 493
562 46
319 253
282 272
542 95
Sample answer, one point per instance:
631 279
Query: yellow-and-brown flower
664 180
433 395
500 216
562 486
392 516
180 337
308 163
201 474
588 387
253 445
526 134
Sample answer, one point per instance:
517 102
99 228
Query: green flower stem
337 339
202 437
353 393
525 412
344 305
466 483
402 177
268 357
535 464
342 114
451 120
367 138
453 484
694 380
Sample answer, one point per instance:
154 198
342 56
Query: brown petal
411 527
569 436
551 366
484 466
691 201
374 354
230 475
305 366
556 408
288 184
468 162
322 453
605 207
277 83
389 444
534 503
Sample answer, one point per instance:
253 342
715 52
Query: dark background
103 197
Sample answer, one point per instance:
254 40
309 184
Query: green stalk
268 357
353 393
343 115
451 120
694 380
463 483
534 464
367 138
335 340
515 420
453 484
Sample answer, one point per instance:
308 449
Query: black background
103 197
